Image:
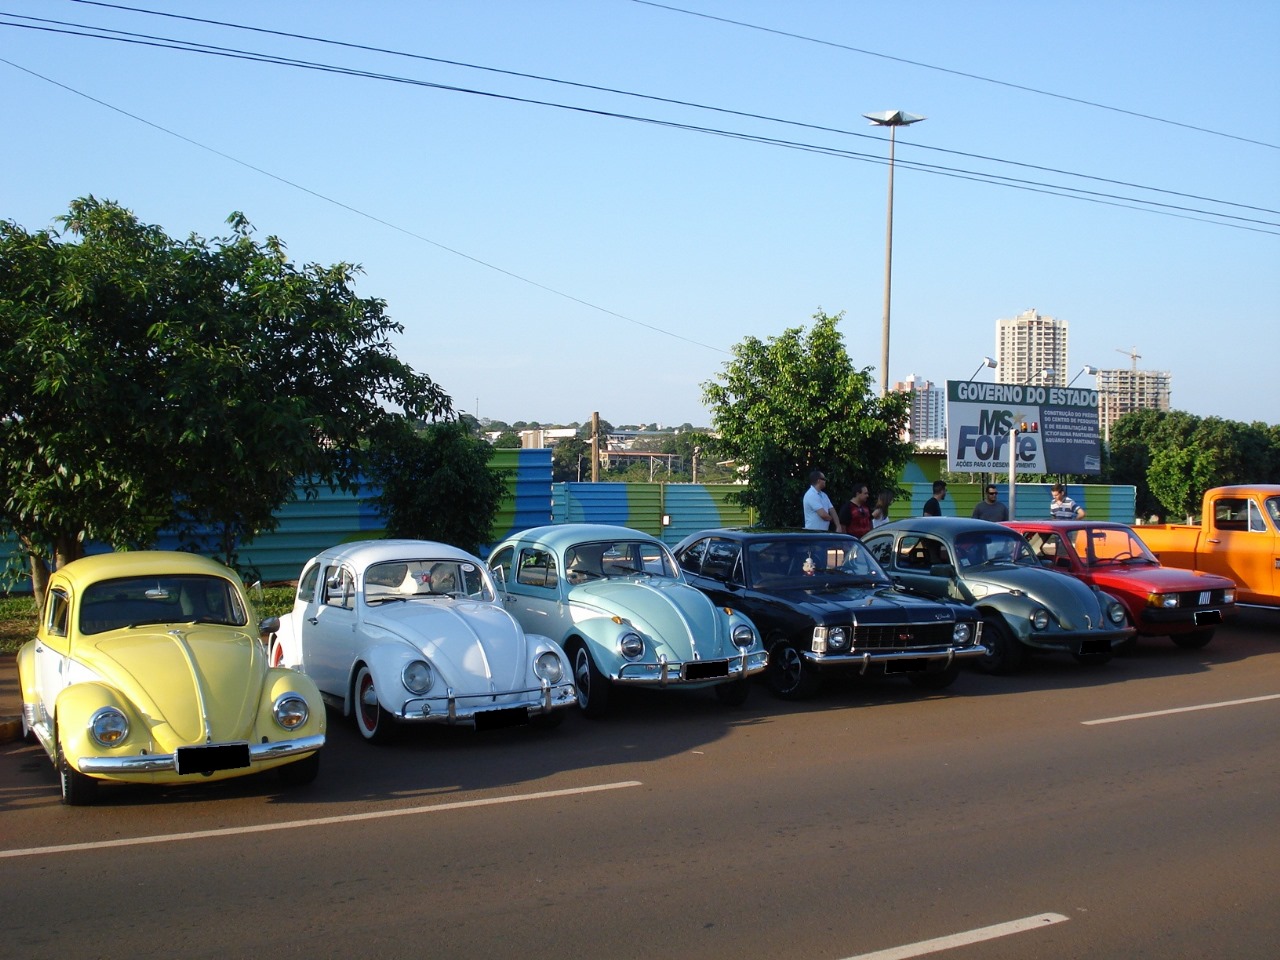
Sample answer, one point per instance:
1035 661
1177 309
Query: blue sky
547 263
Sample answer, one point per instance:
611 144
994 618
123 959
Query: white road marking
1165 713
318 822
939 944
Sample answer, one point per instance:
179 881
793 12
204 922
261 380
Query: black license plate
218 756
498 719
1095 645
912 665
1204 618
706 669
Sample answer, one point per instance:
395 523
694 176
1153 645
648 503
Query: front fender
74 708
1014 609
282 680
386 661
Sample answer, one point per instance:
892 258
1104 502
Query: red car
1183 605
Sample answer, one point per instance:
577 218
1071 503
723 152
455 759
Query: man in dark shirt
855 516
991 508
933 506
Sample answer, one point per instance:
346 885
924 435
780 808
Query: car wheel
300 772
1004 652
935 679
77 789
373 722
733 694
1193 641
788 676
593 686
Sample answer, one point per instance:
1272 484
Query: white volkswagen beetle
411 631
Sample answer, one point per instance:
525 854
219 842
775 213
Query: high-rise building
1028 345
928 419
1124 391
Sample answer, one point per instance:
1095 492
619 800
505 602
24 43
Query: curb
10 729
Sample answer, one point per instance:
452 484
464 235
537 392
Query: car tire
935 679
788 676
733 694
78 790
1193 641
374 723
592 685
1004 651
300 772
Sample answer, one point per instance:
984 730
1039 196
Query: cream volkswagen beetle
411 631
145 669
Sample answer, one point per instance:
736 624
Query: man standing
991 508
933 506
855 516
819 514
1062 507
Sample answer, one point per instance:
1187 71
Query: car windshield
979 548
184 598
806 561
613 559
396 580
1106 546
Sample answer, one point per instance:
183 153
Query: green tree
571 461
507 440
436 483
152 384
792 403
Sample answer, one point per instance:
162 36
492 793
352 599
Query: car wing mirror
947 570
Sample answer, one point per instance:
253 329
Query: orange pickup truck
1238 537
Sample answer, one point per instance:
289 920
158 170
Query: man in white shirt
819 514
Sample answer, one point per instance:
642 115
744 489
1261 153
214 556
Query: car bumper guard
167 762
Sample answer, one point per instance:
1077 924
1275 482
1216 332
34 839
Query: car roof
755 534
140 563
364 553
559 536
938 526
1065 524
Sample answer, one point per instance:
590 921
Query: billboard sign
1060 436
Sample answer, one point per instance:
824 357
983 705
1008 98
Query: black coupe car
823 603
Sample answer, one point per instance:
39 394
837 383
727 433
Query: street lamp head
892 118
1089 369
986 362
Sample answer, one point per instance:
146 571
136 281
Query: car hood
668 611
1069 599
169 673
462 638
1145 577
868 605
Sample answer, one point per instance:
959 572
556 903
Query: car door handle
313 620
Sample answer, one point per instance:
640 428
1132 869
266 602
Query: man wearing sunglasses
989 508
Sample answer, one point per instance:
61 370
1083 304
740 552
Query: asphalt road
1126 811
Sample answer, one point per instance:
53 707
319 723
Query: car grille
902 636
1192 598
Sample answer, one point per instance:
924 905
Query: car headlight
108 727
1040 618
962 633
290 710
417 677
547 667
1167 600
1229 596
1116 612
743 636
631 645
838 639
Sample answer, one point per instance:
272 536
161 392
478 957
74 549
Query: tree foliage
792 403
436 483
1173 457
152 383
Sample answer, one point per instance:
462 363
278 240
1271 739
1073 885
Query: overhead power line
956 73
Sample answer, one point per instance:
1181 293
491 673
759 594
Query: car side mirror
947 570
266 627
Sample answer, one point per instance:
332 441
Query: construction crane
1133 355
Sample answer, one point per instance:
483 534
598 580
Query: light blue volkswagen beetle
616 600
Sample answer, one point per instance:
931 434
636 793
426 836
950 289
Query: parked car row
145 667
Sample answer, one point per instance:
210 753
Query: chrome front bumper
168 762
456 707
666 673
865 658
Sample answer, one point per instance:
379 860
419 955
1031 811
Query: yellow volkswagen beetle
145 669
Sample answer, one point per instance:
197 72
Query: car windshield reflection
1109 546
134 601
618 559
404 580
991 547
820 561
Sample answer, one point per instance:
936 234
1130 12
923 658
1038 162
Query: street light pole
891 119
